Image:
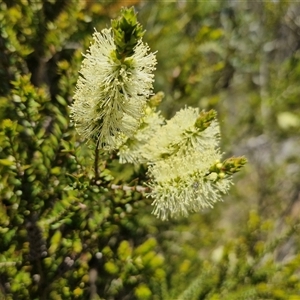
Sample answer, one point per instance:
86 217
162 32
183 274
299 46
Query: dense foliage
64 235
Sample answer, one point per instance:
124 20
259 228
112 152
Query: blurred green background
65 236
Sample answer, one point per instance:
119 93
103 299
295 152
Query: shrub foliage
65 235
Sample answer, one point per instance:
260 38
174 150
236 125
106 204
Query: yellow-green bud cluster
205 118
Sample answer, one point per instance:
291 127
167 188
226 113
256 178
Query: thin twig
138 188
97 160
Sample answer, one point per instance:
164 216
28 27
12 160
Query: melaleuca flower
183 184
182 158
112 106
111 92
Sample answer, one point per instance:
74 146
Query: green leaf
6 162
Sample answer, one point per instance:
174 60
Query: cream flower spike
181 156
110 93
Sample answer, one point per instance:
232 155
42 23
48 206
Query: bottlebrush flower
111 92
181 156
